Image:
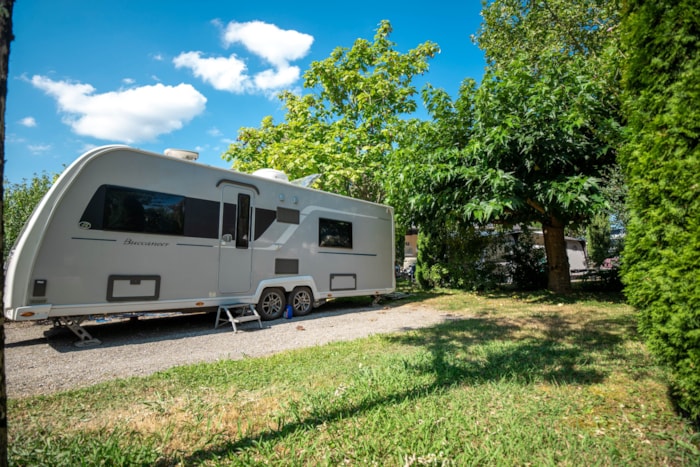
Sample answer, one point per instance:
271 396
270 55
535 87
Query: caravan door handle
227 238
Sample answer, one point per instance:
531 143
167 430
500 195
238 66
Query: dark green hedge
661 260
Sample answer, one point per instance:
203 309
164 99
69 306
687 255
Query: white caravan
575 252
123 230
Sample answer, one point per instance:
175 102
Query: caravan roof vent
273 174
182 154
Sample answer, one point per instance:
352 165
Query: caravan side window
141 211
201 218
334 233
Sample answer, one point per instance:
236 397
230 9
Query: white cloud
277 46
14 139
130 115
224 74
29 122
39 148
273 45
276 79
214 131
128 81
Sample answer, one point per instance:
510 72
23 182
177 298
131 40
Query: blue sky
159 74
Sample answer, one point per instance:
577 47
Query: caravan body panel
124 230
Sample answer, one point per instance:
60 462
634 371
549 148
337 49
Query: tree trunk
558 274
5 39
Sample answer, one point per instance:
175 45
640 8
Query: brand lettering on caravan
129 241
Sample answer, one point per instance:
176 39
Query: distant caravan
123 230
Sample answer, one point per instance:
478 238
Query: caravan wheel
271 304
301 300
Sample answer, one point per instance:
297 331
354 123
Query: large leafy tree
545 137
427 151
426 162
542 126
347 123
661 259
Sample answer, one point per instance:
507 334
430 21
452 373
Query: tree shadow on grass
469 352
551 298
503 351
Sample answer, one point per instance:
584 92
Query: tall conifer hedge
661 260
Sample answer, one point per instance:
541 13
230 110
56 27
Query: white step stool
237 313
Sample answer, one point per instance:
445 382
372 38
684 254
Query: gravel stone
42 359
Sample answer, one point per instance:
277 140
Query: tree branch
536 206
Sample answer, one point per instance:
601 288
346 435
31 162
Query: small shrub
454 258
526 264
599 239
20 199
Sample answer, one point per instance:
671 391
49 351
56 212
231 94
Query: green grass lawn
509 379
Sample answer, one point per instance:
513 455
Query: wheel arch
288 284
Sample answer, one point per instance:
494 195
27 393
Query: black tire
302 301
271 304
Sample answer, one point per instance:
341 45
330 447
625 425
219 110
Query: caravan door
235 242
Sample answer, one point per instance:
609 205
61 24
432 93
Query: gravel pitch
41 359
